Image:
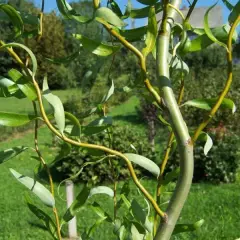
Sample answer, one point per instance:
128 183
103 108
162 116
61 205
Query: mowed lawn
218 205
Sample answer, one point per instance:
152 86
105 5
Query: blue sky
51 5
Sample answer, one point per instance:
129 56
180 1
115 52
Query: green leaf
108 94
76 129
127 10
116 9
23 84
203 41
109 16
32 56
101 121
208 30
140 215
228 5
101 190
69 13
96 126
208 142
8 88
207 104
169 177
14 17
90 130
144 162
44 218
94 226
143 12
235 13
100 212
37 188
180 228
76 205
151 32
64 60
135 34
97 48
177 64
29 18
15 119
7 154
56 104
135 234
147 2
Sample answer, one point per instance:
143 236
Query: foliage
124 139
99 138
221 164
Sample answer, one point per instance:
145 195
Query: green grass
25 106
218 205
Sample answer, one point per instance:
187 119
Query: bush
122 139
221 163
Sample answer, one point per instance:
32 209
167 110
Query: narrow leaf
23 84
37 188
151 32
135 234
44 218
116 9
100 212
14 17
98 48
144 162
101 190
7 154
77 204
180 228
169 177
235 13
228 5
208 142
64 60
32 56
76 129
207 104
69 13
135 34
56 104
147 2
101 121
15 119
109 16
208 30
143 12
140 215
109 93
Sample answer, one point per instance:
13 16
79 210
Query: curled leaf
144 162
56 104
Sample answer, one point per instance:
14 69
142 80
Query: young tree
159 41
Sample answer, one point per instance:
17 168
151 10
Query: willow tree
168 41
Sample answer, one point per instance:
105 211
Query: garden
150 143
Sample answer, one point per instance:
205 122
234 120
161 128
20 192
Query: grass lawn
218 205
25 106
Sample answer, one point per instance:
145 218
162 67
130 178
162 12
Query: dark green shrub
222 161
122 139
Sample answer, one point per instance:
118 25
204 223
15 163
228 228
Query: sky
51 5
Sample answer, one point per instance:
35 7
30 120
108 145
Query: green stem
180 130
